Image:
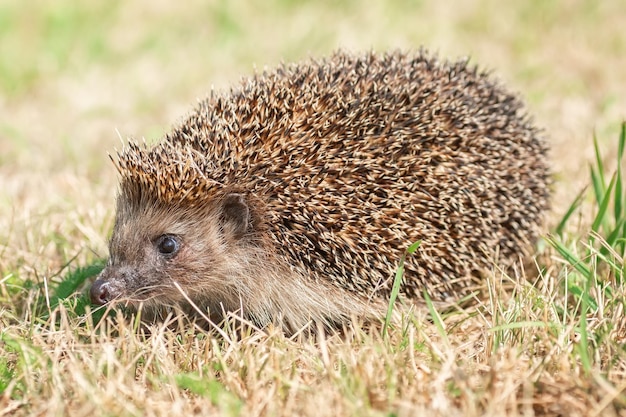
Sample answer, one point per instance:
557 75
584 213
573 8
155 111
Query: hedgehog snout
100 293
109 285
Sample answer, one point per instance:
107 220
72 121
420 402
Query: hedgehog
291 198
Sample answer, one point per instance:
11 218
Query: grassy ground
75 76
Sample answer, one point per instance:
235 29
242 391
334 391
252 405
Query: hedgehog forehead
167 174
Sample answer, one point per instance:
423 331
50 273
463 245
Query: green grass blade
397 283
598 192
622 142
602 208
572 208
411 249
583 347
437 320
599 163
569 257
615 238
596 182
618 200
395 289
610 261
620 197
579 293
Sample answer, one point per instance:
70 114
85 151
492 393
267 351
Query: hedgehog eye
167 245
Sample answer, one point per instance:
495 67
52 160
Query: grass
547 340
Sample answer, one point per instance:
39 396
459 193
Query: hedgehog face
158 251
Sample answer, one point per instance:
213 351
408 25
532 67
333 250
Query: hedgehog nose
99 293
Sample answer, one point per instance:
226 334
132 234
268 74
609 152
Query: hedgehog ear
236 214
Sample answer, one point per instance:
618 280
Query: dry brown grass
71 74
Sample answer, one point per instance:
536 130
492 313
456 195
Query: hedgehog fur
292 197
